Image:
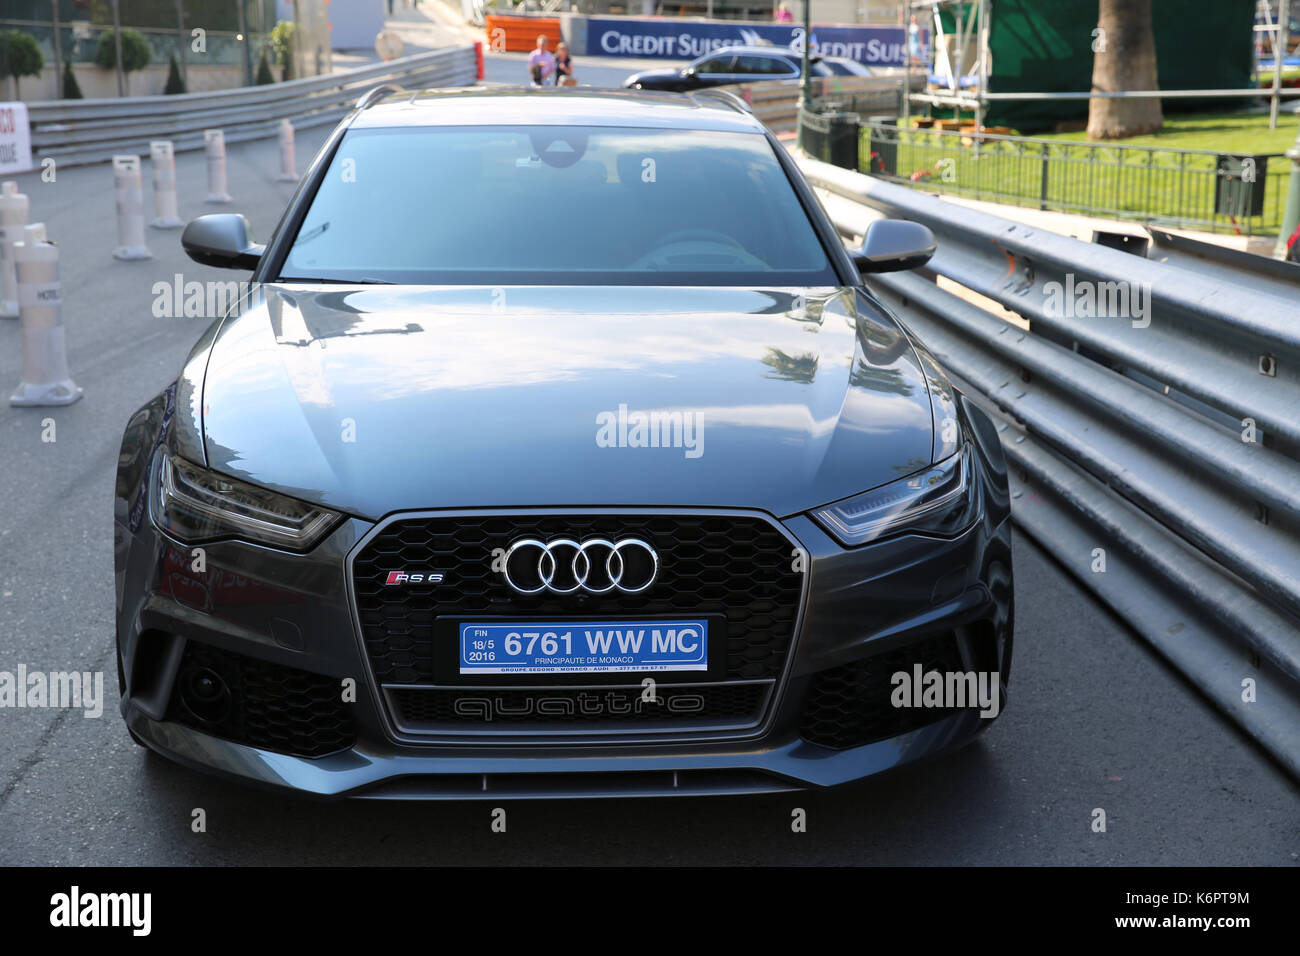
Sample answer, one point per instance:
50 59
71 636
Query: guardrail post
163 159
214 140
13 216
288 165
1291 215
46 380
130 209
1042 185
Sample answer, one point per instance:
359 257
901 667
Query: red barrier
519 34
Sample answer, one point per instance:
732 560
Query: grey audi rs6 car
559 447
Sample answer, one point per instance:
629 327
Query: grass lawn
1110 179
1219 132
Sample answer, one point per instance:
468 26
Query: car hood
374 399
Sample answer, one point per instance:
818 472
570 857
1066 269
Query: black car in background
729 64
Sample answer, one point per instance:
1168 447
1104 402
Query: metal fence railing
1181 187
89 131
1150 413
776 102
830 136
885 100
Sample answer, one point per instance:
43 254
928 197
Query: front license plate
584 647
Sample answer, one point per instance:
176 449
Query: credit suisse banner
15 138
687 39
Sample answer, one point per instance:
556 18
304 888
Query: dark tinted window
715 64
757 63
559 205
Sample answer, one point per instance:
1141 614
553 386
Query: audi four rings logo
596 566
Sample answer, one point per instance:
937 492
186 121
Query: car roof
753 48
559 106
773 50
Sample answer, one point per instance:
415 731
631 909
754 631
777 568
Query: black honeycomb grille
849 705
268 706
467 709
737 566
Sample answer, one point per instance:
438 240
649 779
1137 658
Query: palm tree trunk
1124 58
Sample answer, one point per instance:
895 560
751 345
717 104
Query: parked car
730 64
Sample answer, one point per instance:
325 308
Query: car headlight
193 504
934 501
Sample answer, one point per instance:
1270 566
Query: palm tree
1124 58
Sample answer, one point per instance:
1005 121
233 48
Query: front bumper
294 614
384 773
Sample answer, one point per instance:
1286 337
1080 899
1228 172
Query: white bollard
215 140
163 159
130 209
45 360
288 165
13 216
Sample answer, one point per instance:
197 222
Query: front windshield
557 205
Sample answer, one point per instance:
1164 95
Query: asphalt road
1095 719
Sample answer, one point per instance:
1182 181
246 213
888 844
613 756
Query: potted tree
20 56
136 52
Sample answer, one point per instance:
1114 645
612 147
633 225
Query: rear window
557 205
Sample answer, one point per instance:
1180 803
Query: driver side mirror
893 245
224 240
689 74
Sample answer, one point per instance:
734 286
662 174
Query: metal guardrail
1173 186
1155 452
90 131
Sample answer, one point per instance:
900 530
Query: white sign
15 138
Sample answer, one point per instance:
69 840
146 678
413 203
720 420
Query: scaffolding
971 20
1275 33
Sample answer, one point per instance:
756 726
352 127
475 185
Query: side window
716 64
766 65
